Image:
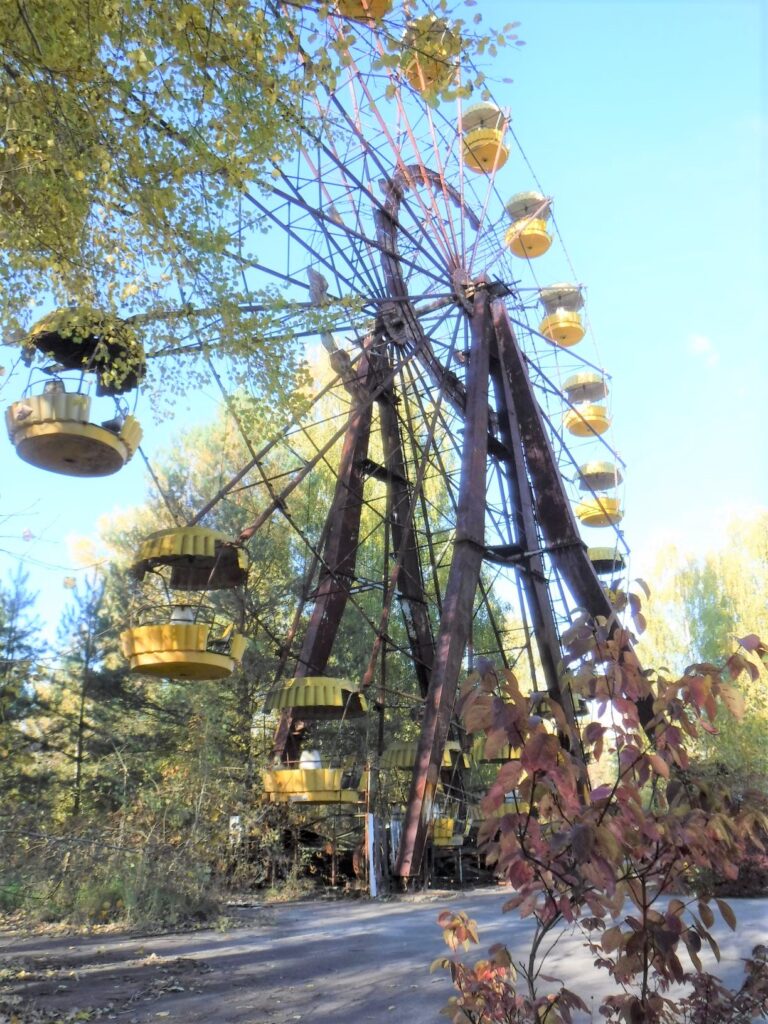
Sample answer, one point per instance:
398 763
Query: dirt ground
320 962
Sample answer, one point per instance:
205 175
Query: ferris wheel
464 380
468 435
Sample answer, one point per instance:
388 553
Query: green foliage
88 338
20 666
138 141
701 608
128 128
89 880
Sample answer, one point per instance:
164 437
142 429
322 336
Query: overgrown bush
614 859
84 878
751 881
734 791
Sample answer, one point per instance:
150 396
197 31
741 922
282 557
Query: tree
136 139
618 861
20 658
83 712
701 606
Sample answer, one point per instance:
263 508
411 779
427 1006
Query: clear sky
646 121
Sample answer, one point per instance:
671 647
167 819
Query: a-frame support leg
553 511
459 598
409 583
339 561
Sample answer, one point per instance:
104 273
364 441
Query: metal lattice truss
449 534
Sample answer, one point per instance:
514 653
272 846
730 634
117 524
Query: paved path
319 962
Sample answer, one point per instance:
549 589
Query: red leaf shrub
617 859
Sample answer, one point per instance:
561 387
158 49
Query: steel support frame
342 532
554 514
463 577
531 565
337 569
524 513
410 580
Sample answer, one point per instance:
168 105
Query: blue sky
646 122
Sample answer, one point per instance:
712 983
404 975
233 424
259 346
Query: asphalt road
321 962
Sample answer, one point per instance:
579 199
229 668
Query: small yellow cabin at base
311 786
181 650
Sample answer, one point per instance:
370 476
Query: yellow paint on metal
309 785
599 510
442 833
430 51
484 150
585 387
318 697
131 434
586 420
563 327
200 559
179 650
52 432
528 237
364 10
507 752
599 476
237 646
402 754
606 560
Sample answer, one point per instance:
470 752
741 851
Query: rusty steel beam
458 603
557 522
409 582
337 569
531 562
526 534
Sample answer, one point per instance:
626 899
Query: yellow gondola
528 236
402 754
364 10
312 786
52 431
585 387
430 51
586 420
606 560
563 323
199 559
599 476
599 510
483 126
182 650
318 697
